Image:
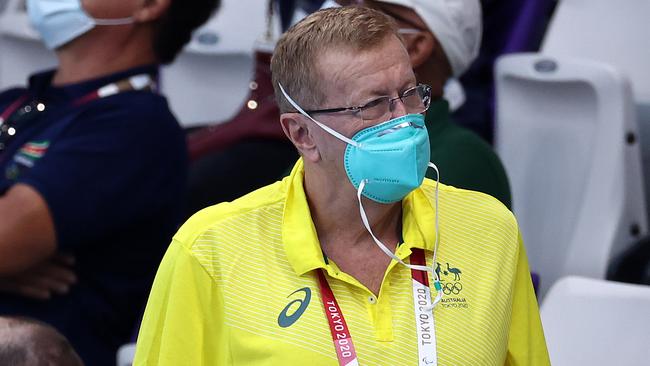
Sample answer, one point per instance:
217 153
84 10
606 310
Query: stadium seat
596 322
567 135
614 33
602 30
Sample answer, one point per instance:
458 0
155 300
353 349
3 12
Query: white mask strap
118 21
321 125
389 253
434 258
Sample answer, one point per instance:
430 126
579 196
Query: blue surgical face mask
392 157
61 21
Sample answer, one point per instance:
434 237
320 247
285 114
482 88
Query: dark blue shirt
113 174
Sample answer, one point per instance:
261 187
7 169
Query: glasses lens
417 100
376 109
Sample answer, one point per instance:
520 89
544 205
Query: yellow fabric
232 269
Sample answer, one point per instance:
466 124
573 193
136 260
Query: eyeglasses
415 100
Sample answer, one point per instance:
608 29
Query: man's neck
335 212
341 233
88 58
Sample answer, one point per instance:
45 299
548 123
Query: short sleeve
182 321
526 343
109 170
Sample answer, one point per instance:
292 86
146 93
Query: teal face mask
391 157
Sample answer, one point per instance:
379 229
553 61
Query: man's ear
151 10
297 131
420 47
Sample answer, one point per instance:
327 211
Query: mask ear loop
388 252
321 125
117 21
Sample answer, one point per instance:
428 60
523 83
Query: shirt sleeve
526 343
182 321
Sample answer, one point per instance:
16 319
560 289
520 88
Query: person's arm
27 234
183 319
526 343
28 265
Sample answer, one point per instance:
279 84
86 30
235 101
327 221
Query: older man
354 258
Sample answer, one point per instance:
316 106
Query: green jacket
463 158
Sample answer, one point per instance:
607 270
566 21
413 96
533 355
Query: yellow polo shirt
238 287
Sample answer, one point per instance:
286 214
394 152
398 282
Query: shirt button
372 300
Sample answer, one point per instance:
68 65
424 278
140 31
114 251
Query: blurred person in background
92 168
252 138
351 258
443 39
28 342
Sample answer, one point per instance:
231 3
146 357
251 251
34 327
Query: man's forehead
344 70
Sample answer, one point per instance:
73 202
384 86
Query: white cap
330 4
457 24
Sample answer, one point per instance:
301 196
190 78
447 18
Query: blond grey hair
294 62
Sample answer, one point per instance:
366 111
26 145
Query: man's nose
397 108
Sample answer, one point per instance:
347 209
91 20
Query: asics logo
286 320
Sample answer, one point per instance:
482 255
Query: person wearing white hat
443 38
456 25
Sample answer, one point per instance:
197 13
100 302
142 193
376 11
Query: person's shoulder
475 222
472 205
259 209
141 107
131 116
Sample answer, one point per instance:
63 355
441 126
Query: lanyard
424 321
13 107
7 130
